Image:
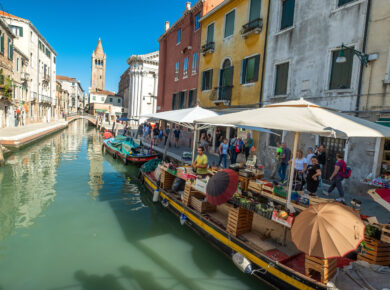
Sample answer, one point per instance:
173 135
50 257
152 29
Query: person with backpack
341 171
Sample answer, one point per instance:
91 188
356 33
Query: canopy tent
300 116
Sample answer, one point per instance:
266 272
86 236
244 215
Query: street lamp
363 57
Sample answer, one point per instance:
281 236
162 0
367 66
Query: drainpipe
357 107
264 57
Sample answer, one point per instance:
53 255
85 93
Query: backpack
238 147
346 171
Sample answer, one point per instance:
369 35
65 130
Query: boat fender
183 219
156 195
165 202
242 263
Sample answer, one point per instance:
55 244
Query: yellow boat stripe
231 244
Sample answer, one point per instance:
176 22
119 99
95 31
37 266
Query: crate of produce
255 186
264 210
268 188
239 221
166 180
201 206
283 218
280 191
385 236
375 252
326 267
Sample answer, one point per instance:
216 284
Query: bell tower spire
98 68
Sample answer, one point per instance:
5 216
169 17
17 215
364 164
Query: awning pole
290 184
168 140
194 141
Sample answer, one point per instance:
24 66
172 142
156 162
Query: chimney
188 6
166 25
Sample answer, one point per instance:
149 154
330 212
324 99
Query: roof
103 92
152 58
65 78
10 17
99 48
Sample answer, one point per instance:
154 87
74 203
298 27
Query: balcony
45 99
222 95
207 48
25 77
253 27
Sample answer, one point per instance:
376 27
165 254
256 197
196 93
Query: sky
73 28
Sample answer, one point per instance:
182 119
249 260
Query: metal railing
254 26
208 47
224 93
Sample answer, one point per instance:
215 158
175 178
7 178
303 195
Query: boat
128 150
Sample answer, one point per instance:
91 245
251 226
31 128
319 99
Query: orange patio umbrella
327 230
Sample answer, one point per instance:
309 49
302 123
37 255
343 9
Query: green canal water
72 218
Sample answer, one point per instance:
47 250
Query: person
223 152
337 177
310 154
278 153
248 145
166 135
146 131
300 166
218 137
140 130
203 142
156 133
232 151
313 176
284 159
160 135
209 139
321 156
177 136
201 162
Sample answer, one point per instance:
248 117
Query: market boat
128 150
257 239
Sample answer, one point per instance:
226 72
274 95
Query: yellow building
232 54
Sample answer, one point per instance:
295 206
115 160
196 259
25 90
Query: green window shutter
287 13
210 33
257 67
2 44
341 72
243 70
21 31
250 69
281 79
229 23
255 9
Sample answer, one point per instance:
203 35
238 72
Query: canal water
72 218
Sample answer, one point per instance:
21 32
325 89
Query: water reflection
96 159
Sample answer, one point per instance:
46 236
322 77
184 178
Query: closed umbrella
327 230
221 186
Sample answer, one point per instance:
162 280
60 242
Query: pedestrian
146 131
313 176
160 135
204 143
338 176
223 152
309 155
201 163
300 166
166 135
248 145
156 133
284 159
176 133
232 150
278 153
140 130
218 137
321 156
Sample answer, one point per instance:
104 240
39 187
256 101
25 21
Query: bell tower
98 68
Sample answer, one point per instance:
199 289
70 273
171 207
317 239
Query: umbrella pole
290 184
194 142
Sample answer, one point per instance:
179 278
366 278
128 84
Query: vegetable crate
239 221
255 186
385 237
326 267
375 252
166 180
202 206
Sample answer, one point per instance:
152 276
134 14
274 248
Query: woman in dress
300 166
313 176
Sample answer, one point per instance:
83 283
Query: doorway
332 146
226 81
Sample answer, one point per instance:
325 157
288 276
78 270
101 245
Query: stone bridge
75 116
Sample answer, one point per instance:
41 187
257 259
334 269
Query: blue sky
73 28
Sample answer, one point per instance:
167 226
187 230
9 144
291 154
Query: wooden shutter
281 79
229 23
210 33
21 31
257 67
255 9
287 13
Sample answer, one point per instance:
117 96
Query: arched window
226 64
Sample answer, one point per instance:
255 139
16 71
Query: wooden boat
282 266
128 150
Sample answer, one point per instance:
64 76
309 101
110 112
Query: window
343 2
119 101
192 98
94 98
2 43
207 80
281 79
17 30
10 49
273 139
287 13
17 64
178 36
185 67
210 33
229 23
254 10
340 77
177 68
194 62
31 59
197 24
102 98
182 100
175 101
250 69
54 59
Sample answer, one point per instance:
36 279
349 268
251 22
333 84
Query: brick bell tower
98 68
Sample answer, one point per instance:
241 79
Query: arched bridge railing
73 116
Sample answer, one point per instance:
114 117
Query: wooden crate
255 186
385 236
268 189
166 180
202 206
376 252
239 221
326 267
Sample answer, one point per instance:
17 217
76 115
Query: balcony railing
45 99
25 76
223 94
208 48
252 27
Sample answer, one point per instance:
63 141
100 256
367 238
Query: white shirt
299 163
308 158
